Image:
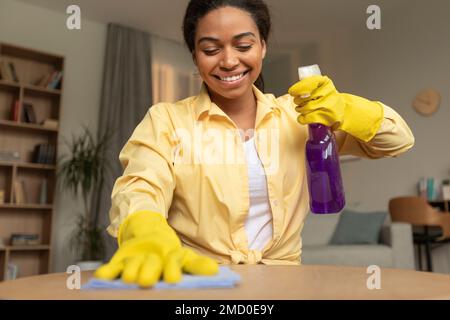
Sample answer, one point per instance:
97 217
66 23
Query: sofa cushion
348 255
358 228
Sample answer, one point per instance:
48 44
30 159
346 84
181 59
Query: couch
394 250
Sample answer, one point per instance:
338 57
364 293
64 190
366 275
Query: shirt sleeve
148 179
393 138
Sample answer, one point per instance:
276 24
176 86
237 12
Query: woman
220 177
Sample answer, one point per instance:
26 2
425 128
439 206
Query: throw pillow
358 227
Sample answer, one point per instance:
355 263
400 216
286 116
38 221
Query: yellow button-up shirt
186 160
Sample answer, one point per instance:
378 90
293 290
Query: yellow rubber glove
149 247
318 101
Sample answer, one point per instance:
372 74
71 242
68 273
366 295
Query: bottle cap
308 71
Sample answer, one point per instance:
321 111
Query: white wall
42 29
410 53
173 53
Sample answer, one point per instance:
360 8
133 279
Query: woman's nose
229 59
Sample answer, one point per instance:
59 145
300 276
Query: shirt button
275 203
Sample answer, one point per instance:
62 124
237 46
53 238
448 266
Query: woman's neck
242 110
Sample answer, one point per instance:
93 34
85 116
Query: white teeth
229 79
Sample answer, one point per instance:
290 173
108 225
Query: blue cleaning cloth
226 278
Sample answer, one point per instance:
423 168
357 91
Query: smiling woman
228 48
175 216
252 17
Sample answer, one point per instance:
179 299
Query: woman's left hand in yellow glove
318 101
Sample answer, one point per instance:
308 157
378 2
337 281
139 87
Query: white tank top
259 221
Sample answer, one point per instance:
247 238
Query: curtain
126 97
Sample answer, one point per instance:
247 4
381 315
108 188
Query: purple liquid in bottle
326 192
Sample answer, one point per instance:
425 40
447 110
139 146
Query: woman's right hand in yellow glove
149 248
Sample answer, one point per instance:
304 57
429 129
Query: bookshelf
28 148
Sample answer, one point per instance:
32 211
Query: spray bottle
326 192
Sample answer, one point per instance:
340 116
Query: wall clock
427 102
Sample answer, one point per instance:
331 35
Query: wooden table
258 282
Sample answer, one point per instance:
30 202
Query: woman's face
228 52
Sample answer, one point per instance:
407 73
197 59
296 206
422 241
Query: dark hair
197 9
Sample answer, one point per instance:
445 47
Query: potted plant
81 171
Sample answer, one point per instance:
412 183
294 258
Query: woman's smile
232 81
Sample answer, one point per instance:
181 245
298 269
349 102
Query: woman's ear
263 43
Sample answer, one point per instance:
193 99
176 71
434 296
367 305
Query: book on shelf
2 71
43 193
2 196
14 75
5 71
43 81
29 114
38 153
20 196
50 159
50 123
51 80
9 156
53 75
55 81
23 239
15 110
44 154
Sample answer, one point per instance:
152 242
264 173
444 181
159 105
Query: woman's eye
210 52
244 48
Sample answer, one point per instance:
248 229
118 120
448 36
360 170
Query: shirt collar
202 103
